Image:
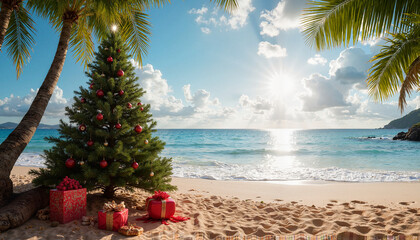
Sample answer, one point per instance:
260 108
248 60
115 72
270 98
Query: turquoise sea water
363 155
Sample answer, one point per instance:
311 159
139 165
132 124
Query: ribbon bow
113 206
160 195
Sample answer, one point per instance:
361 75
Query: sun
280 85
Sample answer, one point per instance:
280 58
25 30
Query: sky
206 68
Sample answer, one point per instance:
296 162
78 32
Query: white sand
221 208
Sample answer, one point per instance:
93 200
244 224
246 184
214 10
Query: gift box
160 206
112 220
66 206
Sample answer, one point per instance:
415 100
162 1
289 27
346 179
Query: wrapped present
66 206
131 230
113 216
160 206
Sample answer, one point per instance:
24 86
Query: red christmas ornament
82 127
129 105
135 165
118 125
100 117
120 73
70 162
121 92
91 85
146 141
100 93
138 129
103 163
139 104
141 109
109 59
82 100
118 50
90 143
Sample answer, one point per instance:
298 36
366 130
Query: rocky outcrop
413 134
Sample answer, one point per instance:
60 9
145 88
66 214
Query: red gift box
112 220
160 206
66 206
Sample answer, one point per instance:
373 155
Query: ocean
350 155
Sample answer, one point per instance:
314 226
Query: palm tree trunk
5 14
16 142
23 207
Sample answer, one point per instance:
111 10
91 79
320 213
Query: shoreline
318 193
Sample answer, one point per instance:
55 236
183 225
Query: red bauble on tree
120 73
90 143
118 126
121 92
91 85
139 104
103 163
100 93
141 109
82 127
100 117
135 165
70 162
129 105
82 100
118 50
138 129
109 59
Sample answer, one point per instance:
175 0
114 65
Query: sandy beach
239 208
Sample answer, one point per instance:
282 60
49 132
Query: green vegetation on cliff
405 122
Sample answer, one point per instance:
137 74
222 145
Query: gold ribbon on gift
163 212
109 220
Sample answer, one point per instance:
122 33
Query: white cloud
269 50
322 94
235 20
206 30
16 106
157 90
199 11
200 99
238 18
258 105
284 16
317 59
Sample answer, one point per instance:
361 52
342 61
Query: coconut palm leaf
19 38
391 64
228 5
332 23
411 82
135 31
81 43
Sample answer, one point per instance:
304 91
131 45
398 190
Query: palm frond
135 31
332 23
19 38
82 43
411 82
227 5
391 64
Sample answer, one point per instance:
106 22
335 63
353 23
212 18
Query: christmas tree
108 143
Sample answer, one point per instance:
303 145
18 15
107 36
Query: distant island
405 122
11 125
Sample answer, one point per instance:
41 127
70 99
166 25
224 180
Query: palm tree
333 23
76 21
18 36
